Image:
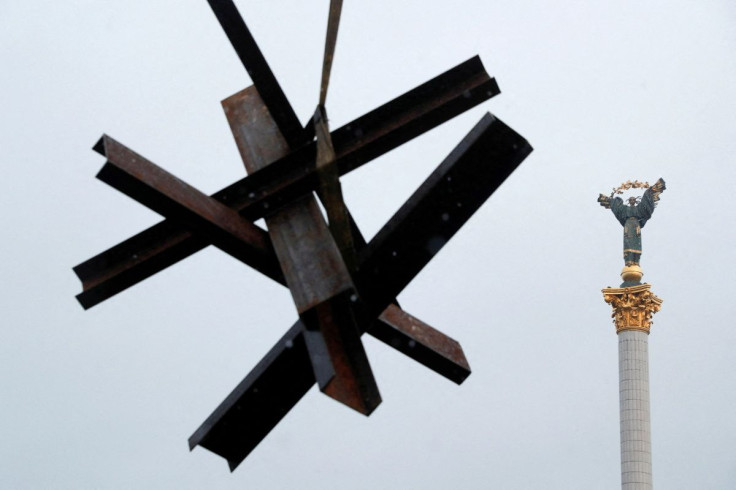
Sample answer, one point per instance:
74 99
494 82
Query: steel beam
173 198
422 343
356 143
260 73
260 401
315 272
439 207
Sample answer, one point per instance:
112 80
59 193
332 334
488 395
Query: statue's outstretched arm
619 210
605 201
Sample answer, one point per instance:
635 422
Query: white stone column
636 442
633 307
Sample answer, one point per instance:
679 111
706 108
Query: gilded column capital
633 307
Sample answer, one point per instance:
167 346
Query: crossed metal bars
318 348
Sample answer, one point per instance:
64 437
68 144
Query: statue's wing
645 208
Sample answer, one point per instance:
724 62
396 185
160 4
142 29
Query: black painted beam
260 73
439 208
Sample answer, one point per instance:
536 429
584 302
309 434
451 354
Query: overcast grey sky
604 91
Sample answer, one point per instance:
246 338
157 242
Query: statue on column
633 215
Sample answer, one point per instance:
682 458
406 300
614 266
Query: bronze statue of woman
633 216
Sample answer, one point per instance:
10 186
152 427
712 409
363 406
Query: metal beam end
79 272
460 376
108 174
495 89
84 301
100 145
196 438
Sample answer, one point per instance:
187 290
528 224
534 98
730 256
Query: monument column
633 308
633 305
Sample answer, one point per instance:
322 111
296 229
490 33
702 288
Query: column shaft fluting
636 450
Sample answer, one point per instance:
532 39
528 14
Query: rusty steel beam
422 343
315 272
439 207
469 175
414 338
142 180
260 73
173 198
375 133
